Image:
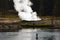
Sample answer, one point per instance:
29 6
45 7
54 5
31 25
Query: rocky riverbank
15 25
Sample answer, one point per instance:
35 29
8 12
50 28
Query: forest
42 7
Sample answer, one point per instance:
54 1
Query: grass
37 26
10 17
51 17
34 25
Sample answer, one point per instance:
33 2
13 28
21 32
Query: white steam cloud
25 12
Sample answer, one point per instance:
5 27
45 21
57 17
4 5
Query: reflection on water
30 34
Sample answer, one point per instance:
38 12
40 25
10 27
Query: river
31 34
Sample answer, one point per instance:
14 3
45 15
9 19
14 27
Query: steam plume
25 12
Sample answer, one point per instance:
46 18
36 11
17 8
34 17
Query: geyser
25 12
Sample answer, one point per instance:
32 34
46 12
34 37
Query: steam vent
14 16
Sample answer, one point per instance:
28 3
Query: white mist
25 12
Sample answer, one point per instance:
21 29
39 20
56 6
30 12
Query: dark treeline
4 4
49 7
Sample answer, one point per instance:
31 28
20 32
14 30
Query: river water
31 34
